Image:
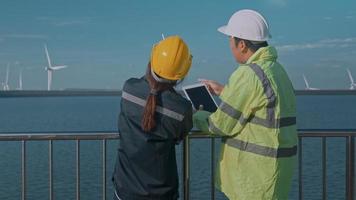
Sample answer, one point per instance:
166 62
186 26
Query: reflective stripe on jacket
257 112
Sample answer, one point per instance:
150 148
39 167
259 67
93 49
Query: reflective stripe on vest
255 148
269 123
142 102
262 150
267 89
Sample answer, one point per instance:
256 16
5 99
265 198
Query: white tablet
199 94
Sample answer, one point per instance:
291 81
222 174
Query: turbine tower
2 86
20 81
307 84
6 84
50 69
353 84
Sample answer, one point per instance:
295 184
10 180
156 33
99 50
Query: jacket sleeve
238 100
187 123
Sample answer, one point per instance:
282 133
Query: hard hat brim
222 30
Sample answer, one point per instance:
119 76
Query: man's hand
214 87
200 120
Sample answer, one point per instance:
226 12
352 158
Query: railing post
350 160
23 169
78 169
324 166
300 168
212 168
50 168
186 164
104 169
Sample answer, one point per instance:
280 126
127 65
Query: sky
103 43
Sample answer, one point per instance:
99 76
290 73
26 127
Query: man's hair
252 45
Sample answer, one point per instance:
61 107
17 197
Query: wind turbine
6 84
20 81
50 69
2 85
307 84
353 84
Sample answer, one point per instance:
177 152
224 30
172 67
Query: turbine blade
47 55
59 67
350 76
306 82
7 74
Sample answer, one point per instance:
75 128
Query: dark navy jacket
146 166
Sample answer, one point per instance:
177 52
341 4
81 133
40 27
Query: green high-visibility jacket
257 113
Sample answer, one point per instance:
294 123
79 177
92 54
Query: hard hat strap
160 80
154 92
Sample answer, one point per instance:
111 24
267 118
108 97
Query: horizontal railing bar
325 92
63 136
105 92
59 93
116 135
326 135
351 130
59 132
323 134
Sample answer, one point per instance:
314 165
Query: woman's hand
214 87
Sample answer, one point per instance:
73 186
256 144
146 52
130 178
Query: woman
153 119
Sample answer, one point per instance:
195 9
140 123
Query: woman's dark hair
148 120
252 45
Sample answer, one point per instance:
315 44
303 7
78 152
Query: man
256 114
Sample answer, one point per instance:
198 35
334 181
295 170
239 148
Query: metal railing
24 138
302 133
104 136
323 134
349 135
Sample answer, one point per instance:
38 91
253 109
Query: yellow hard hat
171 59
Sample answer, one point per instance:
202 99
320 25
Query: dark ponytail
148 119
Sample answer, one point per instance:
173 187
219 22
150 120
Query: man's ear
243 46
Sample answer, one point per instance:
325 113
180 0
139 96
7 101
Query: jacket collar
268 53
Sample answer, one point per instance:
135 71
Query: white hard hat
248 25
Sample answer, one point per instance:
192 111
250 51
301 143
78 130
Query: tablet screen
199 95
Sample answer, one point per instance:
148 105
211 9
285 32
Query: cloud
43 18
280 3
72 22
335 66
202 61
22 36
327 18
61 22
329 43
